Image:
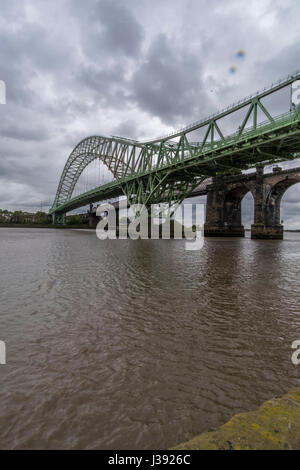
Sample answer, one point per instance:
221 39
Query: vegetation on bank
49 226
275 425
39 219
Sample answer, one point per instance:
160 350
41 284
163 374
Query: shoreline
50 226
85 227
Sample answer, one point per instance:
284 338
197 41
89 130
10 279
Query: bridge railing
237 137
214 116
128 158
249 132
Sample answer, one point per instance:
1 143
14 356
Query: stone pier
224 199
223 210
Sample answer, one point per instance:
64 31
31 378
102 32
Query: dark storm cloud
120 33
108 28
17 130
109 86
101 79
169 83
28 51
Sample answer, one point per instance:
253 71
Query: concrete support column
259 214
264 232
214 223
233 216
58 219
266 224
223 213
93 219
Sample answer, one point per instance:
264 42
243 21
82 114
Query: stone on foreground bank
274 425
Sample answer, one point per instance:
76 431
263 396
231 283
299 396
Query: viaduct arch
224 198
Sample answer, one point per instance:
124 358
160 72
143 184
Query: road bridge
170 167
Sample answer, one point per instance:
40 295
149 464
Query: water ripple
124 344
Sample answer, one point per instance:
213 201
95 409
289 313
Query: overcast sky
135 68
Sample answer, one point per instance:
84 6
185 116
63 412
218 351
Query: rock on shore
274 425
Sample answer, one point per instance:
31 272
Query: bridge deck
173 162
274 142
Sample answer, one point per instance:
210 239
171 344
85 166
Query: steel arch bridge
169 168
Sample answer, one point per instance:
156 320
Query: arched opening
275 197
232 207
224 211
120 156
95 174
290 207
247 210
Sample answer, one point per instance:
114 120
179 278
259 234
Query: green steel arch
111 151
171 166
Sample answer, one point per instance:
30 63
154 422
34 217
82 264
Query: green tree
42 218
18 217
74 220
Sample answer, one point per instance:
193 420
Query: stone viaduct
224 198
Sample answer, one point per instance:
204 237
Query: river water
124 344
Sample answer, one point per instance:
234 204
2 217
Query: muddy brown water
140 344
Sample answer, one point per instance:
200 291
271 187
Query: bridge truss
168 168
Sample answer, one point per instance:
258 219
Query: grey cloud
109 28
122 32
128 128
169 84
109 86
24 131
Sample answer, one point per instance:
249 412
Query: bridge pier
58 219
92 217
264 232
267 224
223 211
224 198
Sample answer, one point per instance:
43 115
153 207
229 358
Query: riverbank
50 226
83 226
275 425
